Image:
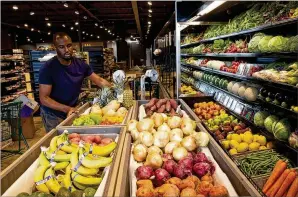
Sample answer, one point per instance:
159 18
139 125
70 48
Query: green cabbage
253 44
260 117
263 44
292 44
282 129
269 122
277 44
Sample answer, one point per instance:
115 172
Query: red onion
180 171
200 157
186 162
202 168
144 172
169 166
161 176
166 157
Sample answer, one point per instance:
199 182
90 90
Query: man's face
64 47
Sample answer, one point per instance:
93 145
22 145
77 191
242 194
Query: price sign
230 101
222 98
234 103
238 108
225 103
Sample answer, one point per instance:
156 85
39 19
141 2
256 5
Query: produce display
111 114
171 165
185 89
161 106
283 181
188 79
68 169
190 38
280 72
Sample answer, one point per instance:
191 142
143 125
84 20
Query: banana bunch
81 165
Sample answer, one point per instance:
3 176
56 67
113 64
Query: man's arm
99 81
44 95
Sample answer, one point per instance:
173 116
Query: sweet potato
151 103
153 108
149 112
173 103
160 103
161 109
168 106
173 112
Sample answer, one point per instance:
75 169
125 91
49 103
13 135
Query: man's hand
71 111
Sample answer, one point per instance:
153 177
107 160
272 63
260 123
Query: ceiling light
77 12
18 26
31 41
28 39
84 38
101 27
32 29
32 13
71 28
150 15
211 7
16 40
87 34
17 36
43 41
131 36
49 33
109 31
149 22
117 36
8 34
26 25
40 38
63 25
49 24
46 18
38 31
96 24
77 30
76 23
15 7
150 10
85 17
91 35
65 5
97 36
149 3
113 34
83 32
106 29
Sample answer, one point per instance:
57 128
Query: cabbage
253 44
269 122
260 117
292 44
293 139
263 44
277 44
282 129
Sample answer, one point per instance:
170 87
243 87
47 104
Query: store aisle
40 132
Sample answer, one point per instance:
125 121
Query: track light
15 7
150 10
76 23
63 25
18 26
96 24
32 29
46 18
85 17
83 32
32 13
26 25
65 5
49 24
149 22
101 27
97 36
77 12
149 15
91 35
49 33
149 3
71 28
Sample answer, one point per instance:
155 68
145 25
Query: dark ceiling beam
137 18
88 12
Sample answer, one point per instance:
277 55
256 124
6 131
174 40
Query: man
60 81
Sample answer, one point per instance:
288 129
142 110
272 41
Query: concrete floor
40 132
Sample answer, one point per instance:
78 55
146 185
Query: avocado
77 193
63 192
23 194
89 192
36 194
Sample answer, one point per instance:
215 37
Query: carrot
269 191
279 168
293 191
279 182
286 184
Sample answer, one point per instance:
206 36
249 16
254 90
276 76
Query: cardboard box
28 128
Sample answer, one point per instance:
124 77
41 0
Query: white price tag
225 103
234 103
222 98
229 105
238 108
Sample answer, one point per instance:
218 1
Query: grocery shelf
281 86
187 72
248 31
245 55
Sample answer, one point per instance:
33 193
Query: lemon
255 137
248 138
233 151
262 148
236 137
229 136
242 136
269 145
247 132
242 147
254 146
234 144
226 144
262 140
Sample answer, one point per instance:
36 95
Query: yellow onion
187 128
179 153
202 138
164 127
189 143
146 138
139 152
170 147
135 134
187 119
161 139
174 122
131 125
146 124
153 160
176 135
165 117
158 119
154 149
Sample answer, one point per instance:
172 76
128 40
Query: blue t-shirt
66 81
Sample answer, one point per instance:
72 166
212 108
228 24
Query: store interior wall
122 51
6 41
113 44
137 53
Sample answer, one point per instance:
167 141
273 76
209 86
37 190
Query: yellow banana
60 152
52 183
39 176
59 158
67 179
66 148
81 169
43 160
102 150
79 186
53 143
61 165
98 163
85 180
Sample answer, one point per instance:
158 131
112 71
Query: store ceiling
116 16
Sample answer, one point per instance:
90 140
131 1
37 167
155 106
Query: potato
174 180
97 139
75 140
188 192
106 141
186 184
73 135
145 192
144 183
194 179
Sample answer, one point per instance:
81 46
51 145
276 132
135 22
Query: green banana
39 176
52 184
101 150
43 160
53 143
66 148
79 186
61 165
85 180
81 169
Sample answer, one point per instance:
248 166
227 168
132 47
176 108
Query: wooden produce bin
241 184
67 123
11 174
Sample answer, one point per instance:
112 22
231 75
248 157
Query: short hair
59 35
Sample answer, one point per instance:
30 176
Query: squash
241 90
251 94
230 85
236 87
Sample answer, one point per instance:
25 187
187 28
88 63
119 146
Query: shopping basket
11 124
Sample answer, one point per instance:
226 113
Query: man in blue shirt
60 81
